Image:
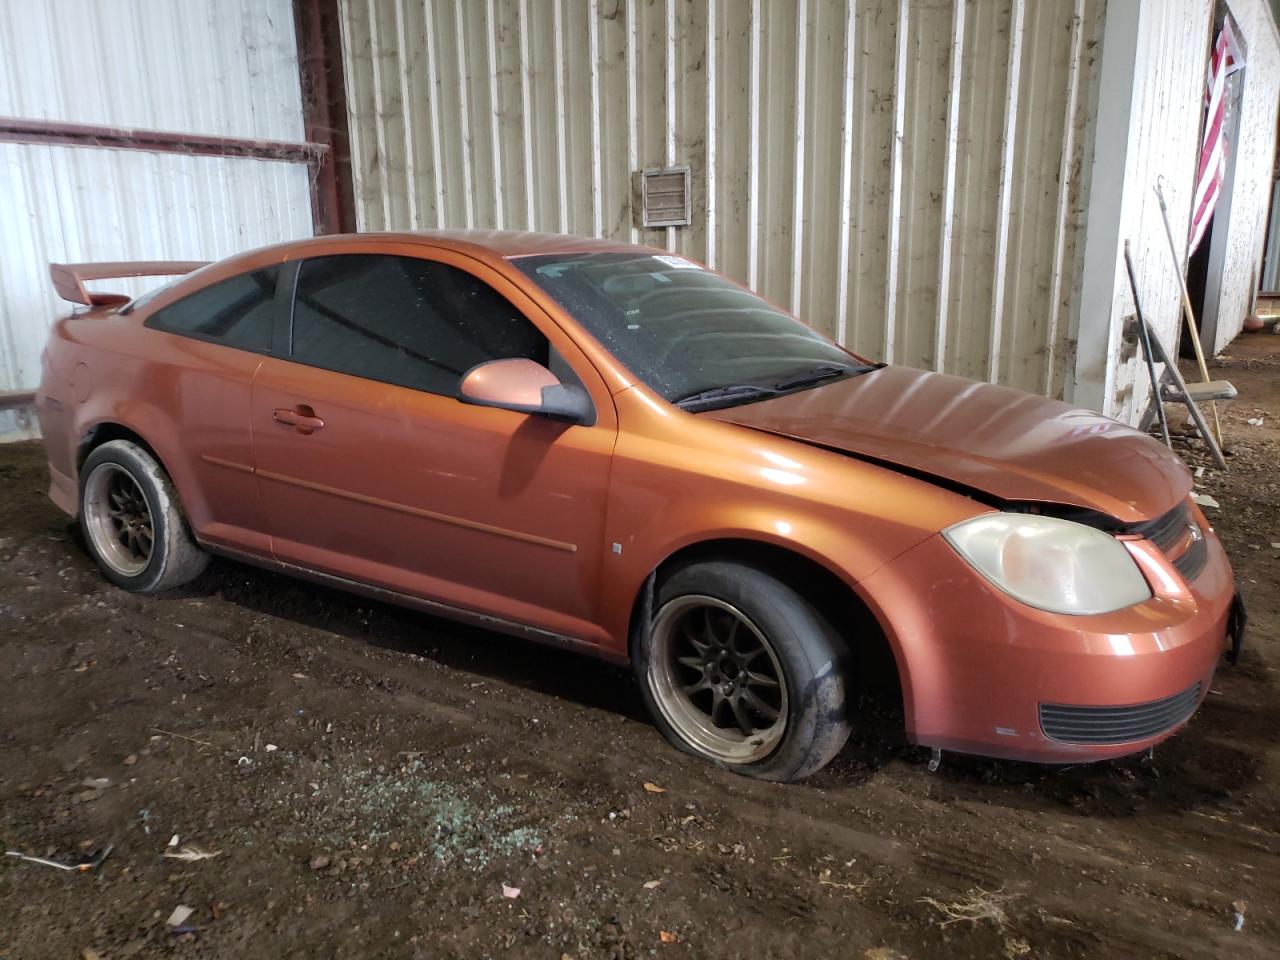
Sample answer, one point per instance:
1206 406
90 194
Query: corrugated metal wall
200 66
907 175
227 67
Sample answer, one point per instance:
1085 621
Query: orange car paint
540 527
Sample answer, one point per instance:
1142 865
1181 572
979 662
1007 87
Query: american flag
1226 60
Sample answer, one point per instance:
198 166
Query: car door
370 469
199 375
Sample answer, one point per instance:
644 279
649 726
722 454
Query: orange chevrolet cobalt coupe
613 449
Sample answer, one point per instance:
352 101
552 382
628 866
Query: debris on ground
1239 907
190 853
1204 500
510 892
90 861
181 913
654 788
182 736
974 907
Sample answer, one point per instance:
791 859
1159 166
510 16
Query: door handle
302 418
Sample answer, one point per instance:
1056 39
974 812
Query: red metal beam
324 113
16 130
12 399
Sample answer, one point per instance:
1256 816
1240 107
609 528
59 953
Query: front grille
1171 529
1192 562
1072 724
1166 530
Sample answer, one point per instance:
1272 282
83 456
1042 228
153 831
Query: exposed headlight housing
1050 564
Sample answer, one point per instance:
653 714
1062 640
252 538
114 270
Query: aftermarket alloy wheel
118 520
131 520
738 668
717 679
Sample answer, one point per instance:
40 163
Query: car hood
1004 443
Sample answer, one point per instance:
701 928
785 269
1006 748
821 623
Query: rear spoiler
69 278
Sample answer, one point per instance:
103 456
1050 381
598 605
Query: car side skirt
433 607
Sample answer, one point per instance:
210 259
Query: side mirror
525 386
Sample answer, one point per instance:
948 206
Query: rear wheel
131 520
738 668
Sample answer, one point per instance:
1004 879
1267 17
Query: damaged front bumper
1007 680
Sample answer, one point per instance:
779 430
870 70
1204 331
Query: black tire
798 644
143 556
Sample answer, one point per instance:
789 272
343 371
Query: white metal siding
1255 153
200 66
907 175
1167 117
219 67
68 204
1159 136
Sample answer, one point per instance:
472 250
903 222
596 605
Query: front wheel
738 668
131 520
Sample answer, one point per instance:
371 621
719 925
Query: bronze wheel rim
717 679
118 519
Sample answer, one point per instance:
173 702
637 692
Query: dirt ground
370 778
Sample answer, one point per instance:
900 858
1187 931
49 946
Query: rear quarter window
238 312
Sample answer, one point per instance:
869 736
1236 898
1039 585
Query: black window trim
282 340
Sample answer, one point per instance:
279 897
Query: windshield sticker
676 263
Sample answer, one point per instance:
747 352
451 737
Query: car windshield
687 333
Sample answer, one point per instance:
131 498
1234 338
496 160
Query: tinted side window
405 321
237 312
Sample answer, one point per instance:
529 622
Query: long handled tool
1155 352
1186 306
1145 334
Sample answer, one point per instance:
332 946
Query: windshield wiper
824 371
747 392
725 396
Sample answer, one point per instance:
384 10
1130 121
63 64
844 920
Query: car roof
508 244
480 244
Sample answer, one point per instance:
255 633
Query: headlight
1052 564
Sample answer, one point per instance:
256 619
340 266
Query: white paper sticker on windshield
677 263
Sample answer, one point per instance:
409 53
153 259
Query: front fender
849 517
